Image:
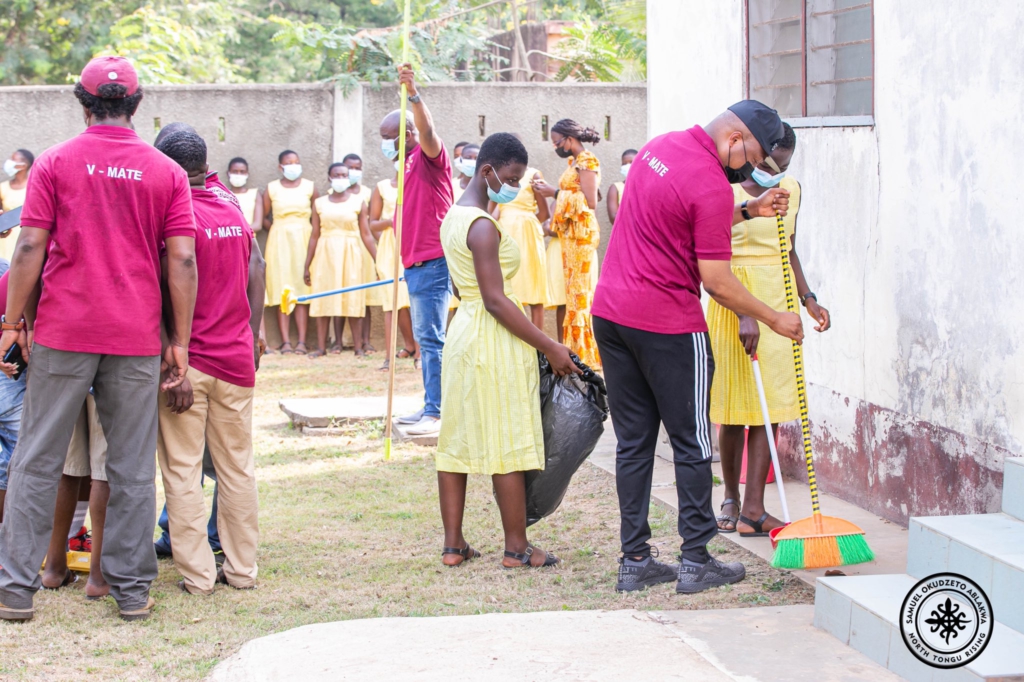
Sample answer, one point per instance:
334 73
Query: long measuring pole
393 345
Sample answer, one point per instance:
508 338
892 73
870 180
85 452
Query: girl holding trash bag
734 400
490 397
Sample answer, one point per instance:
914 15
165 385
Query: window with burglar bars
811 58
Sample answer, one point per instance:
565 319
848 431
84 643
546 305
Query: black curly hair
112 101
185 148
29 157
788 140
500 150
286 152
571 128
238 159
336 164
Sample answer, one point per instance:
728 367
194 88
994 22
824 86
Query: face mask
562 153
237 179
766 179
388 148
339 184
292 171
468 167
734 175
504 195
355 176
11 167
625 169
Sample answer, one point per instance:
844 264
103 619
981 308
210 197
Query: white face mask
625 169
11 167
238 179
339 184
355 176
292 171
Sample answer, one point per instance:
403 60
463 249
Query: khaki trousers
221 416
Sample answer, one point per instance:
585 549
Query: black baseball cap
761 120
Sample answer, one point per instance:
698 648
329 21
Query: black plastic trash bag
573 410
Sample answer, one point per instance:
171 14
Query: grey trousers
126 389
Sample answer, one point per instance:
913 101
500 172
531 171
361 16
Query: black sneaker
639 575
696 577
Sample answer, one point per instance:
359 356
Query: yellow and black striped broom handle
798 361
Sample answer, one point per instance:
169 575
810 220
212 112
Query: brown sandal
467 554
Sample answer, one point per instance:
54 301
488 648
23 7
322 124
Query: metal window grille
811 57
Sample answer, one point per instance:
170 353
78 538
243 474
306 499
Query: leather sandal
467 553
728 519
11 613
524 559
758 526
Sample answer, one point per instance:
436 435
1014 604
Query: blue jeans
430 291
12 395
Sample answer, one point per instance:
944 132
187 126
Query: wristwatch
10 326
416 99
809 294
743 210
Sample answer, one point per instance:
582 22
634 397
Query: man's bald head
176 127
735 144
391 124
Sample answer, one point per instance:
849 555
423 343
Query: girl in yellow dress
382 212
334 260
521 219
735 405
12 195
466 169
288 212
490 395
576 224
375 295
615 193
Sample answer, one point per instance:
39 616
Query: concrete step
862 611
1013 487
987 548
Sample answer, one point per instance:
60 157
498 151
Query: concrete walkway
888 540
772 644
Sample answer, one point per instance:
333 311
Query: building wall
916 394
323 125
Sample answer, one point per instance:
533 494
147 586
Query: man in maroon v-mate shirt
97 210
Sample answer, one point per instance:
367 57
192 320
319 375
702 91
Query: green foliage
610 50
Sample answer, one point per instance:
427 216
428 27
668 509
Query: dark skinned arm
255 291
730 293
429 140
364 231
764 206
483 240
257 214
268 212
22 285
820 314
314 237
543 208
588 185
378 223
613 203
182 280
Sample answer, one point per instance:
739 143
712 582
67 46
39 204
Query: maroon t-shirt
109 200
222 343
678 208
428 196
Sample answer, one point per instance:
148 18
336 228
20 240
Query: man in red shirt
98 209
428 196
672 233
214 404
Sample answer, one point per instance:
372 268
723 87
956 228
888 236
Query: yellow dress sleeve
587 161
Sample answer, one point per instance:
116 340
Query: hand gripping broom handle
798 361
399 203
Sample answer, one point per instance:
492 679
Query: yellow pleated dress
338 260
757 263
518 218
385 264
10 199
375 295
490 382
288 239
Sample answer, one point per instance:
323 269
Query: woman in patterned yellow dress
288 212
334 260
490 397
735 405
12 195
382 212
575 223
521 218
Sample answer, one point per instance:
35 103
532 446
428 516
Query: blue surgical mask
339 185
355 176
468 167
625 169
292 171
766 179
504 195
389 149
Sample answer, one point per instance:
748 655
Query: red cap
109 70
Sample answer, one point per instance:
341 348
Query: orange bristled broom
819 541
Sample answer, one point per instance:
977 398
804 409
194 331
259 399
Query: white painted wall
909 230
